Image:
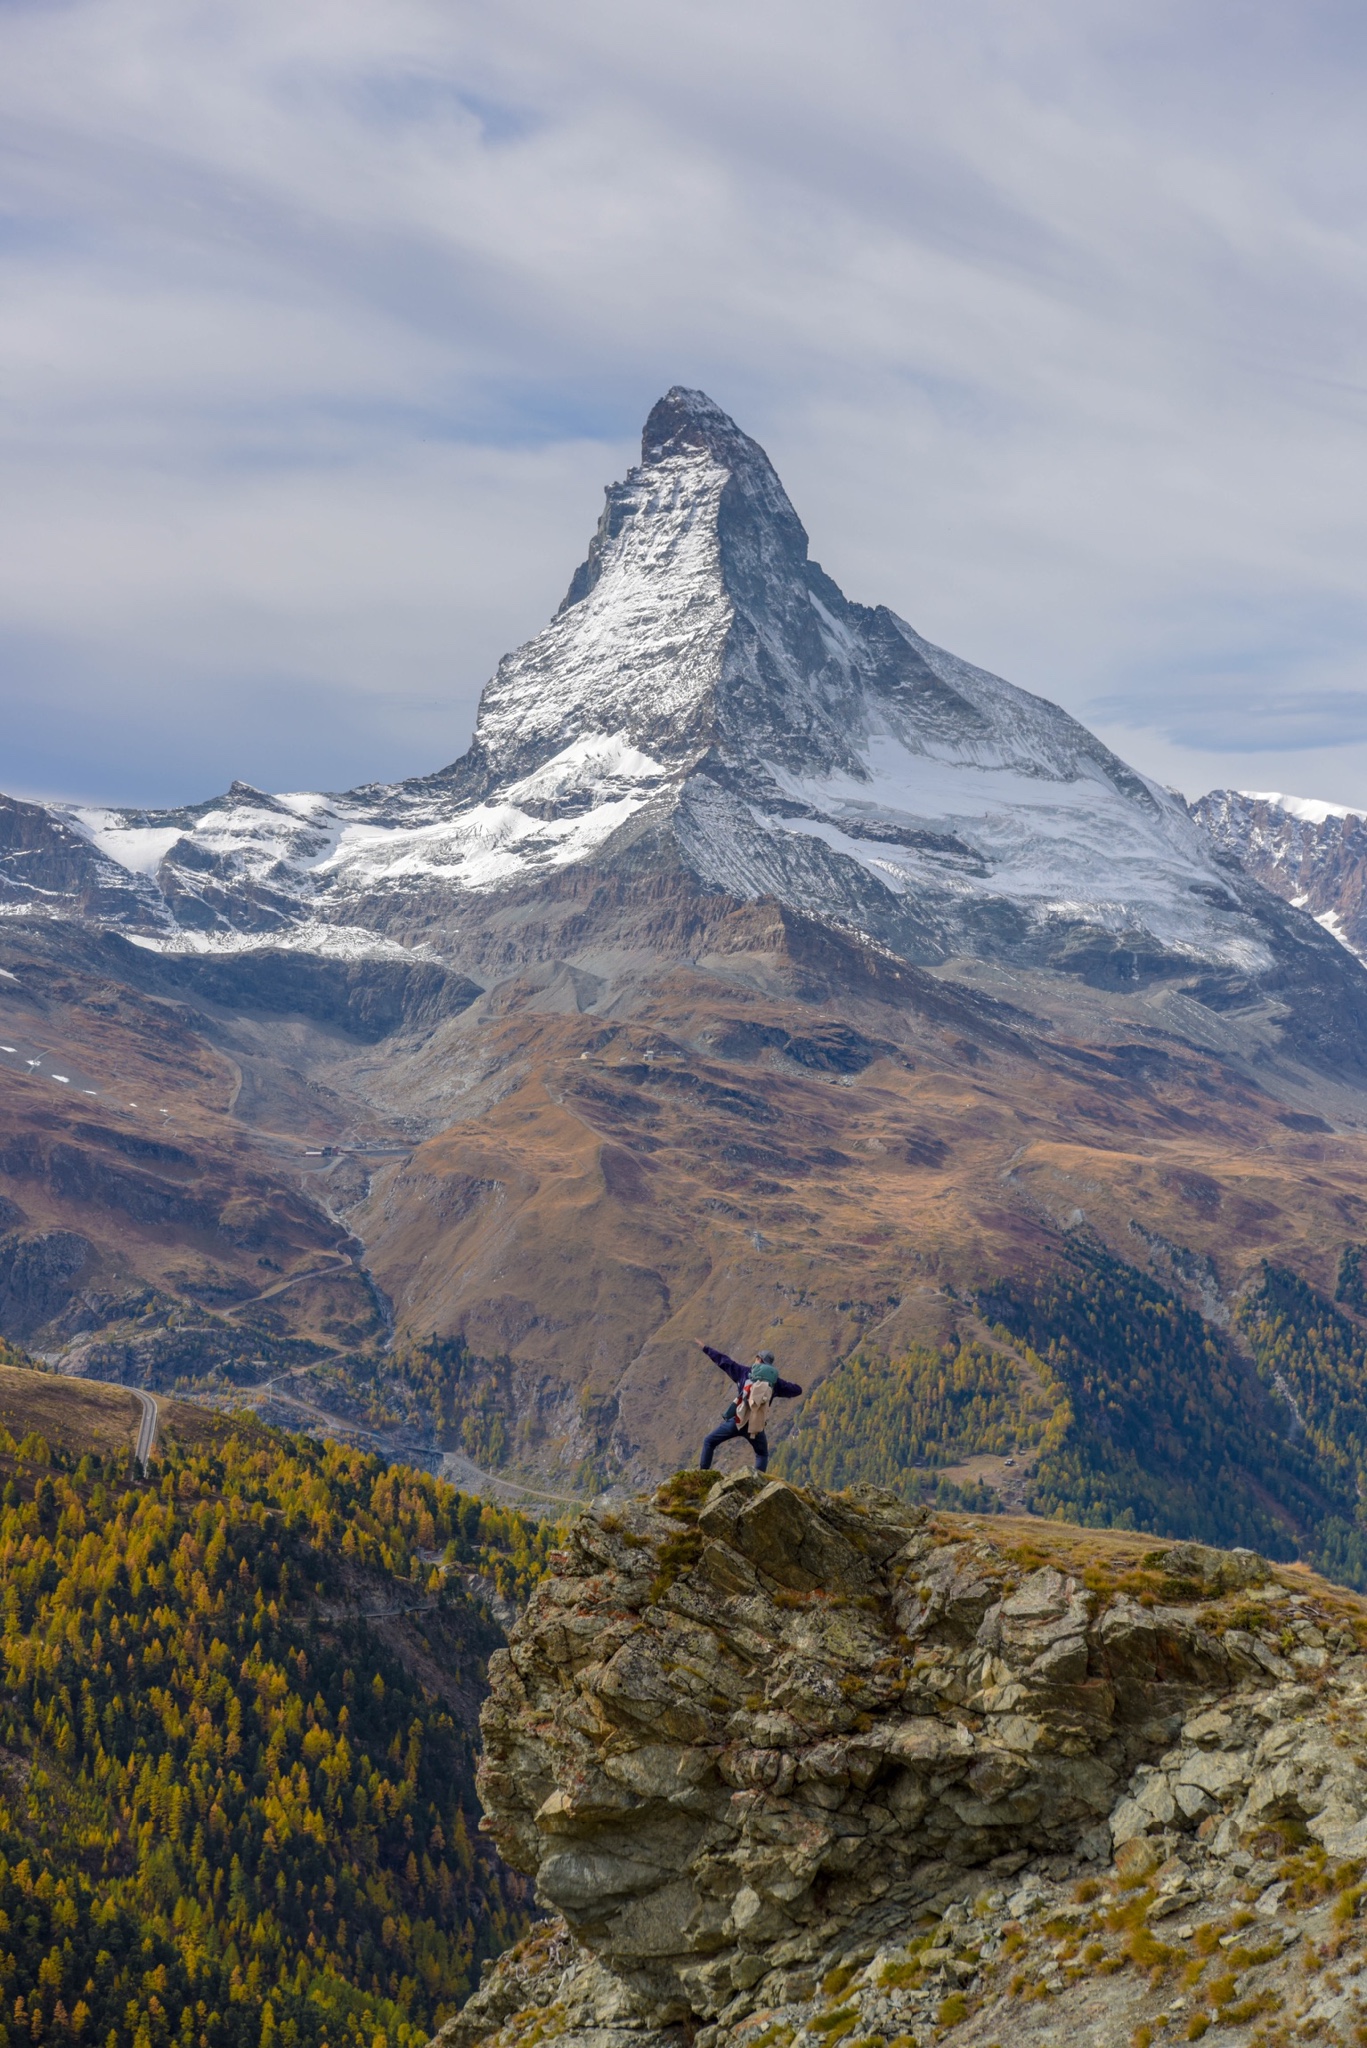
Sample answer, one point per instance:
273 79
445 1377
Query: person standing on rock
757 1386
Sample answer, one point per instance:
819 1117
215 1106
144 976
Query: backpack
752 1409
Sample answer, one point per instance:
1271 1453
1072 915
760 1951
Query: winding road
452 1466
147 1427
346 1264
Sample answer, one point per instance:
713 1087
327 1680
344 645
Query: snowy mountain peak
698 624
695 622
690 424
707 702
815 749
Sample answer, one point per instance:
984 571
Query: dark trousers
723 1434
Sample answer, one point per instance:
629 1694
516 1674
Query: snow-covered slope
1312 854
707 701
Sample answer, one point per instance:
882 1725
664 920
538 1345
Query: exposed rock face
747 1733
37 1273
1312 854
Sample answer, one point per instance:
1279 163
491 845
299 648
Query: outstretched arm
728 1365
787 1390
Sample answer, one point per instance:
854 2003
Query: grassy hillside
236 1797
74 1415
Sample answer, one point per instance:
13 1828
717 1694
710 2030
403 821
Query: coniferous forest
1132 1410
231 1815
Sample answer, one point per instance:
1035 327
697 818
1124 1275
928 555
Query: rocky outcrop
749 1740
39 1271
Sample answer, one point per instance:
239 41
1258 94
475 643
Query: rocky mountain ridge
796 1767
1311 853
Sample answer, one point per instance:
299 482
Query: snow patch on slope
1333 924
491 844
312 935
1047 830
1310 809
314 846
559 814
137 848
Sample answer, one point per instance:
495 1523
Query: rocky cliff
798 1767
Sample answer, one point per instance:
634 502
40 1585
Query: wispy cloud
326 325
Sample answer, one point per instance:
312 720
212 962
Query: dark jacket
784 1390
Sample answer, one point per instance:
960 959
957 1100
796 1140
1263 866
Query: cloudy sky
325 324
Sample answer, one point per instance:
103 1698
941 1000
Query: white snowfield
1309 809
1039 817
312 849
138 848
708 685
311 935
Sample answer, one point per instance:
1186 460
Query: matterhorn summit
777 739
705 705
